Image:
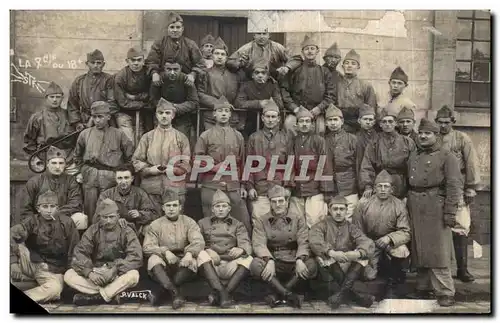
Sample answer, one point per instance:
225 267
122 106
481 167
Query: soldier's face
172 209
338 212
260 75
427 138
165 117
222 115
445 125
261 38
388 124
310 52
350 67
124 179
207 50
332 61
56 166
54 100
175 30
221 210
279 205
47 210
220 57
109 221
304 124
367 122
136 63
406 125
271 119
172 70
96 67
334 123
101 120
383 190
397 87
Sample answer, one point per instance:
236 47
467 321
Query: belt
423 189
288 246
342 169
99 166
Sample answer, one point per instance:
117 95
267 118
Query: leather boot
85 299
215 284
293 299
361 299
160 275
396 277
240 274
461 253
346 288
446 301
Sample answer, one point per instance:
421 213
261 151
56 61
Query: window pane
480 93
464 29
462 71
481 71
482 30
483 14
481 50
464 14
464 49
462 93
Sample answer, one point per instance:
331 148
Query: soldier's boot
461 253
396 277
160 275
338 275
85 299
136 296
240 274
182 275
352 275
215 284
293 299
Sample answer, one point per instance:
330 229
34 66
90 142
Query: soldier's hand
316 112
383 242
236 252
79 178
130 96
301 269
156 79
15 271
189 80
252 194
367 193
123 223
79 126
154 170
186 260
449 220
469 195
269 271
352 255
134 214
170 257
283 70
214 255
96 278
339 256
243 193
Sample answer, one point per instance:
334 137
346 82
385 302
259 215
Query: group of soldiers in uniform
107 205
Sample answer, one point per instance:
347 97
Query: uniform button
411 177
289 239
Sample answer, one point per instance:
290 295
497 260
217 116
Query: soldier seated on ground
384 219
281 247
106 260
41 249
228 250
172 245
342 251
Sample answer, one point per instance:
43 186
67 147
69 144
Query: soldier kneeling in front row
281 246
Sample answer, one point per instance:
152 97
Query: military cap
332 51
303 112
339 199
352 55
222 102
333 111
428 125
399 74
173 17
53 88
49 197
54 152
259 63
277 191
309 41
444 112
169 196
100 107
220 197
164 105
134 52
366 110
270 105
220 44
96 55
406 113
106 207
208 39
385 113
383 177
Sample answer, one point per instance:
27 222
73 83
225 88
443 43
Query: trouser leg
239 210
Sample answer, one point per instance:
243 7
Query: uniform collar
227 219
273 219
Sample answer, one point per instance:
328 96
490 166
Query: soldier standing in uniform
153 158
268 142
435 191
106 260
342 252
406 123
281 247
99 150
88 88
366 133
332 58
207 49
172 245
352 92
462 147
341 149
42 248
228 250
397 83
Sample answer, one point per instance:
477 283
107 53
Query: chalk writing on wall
49 61
26 78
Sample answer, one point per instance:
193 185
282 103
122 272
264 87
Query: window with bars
473 59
